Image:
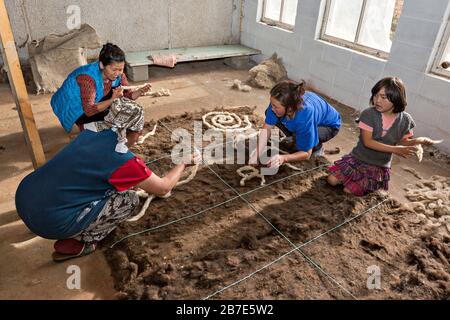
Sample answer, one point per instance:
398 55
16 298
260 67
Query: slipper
71 248
68 246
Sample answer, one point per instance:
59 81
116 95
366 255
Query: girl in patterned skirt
385 128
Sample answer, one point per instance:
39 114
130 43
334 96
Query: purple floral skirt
359 177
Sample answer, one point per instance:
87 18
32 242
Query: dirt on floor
204 237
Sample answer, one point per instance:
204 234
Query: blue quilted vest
66 102
52 200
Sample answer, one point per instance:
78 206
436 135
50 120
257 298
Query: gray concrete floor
26 268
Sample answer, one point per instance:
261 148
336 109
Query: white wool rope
159 93
143 209
142 139
248 173
254 173
134 88
230 122
149 198
419 152
226 121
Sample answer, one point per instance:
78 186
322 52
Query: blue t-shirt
316 113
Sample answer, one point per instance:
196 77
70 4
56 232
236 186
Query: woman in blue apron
88 92
303 116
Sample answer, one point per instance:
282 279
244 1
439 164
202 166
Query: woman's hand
141 91
276 161
405 151
194 159
117 93
144 89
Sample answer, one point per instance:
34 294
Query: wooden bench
137 62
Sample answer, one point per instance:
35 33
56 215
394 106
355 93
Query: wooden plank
19 90
191 54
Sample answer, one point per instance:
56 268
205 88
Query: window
280 13
441 64
365 25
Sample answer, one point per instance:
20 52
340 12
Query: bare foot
332 180
336 150
347 191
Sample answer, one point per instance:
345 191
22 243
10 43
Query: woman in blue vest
303 116
86 190
88 92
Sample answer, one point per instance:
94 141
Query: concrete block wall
348 75
134 25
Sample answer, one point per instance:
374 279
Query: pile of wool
267 73
431 201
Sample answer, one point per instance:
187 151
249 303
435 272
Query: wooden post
18 88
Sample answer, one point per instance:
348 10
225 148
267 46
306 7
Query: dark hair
111 53
395 92
290 94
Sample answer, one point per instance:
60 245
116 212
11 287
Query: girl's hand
427 141
276 161
405 151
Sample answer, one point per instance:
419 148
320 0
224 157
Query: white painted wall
348 75
134 25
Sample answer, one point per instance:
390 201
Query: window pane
343 19
273 9
289 11
447 55
445 59
377 24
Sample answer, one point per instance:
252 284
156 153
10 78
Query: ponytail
290 94
111 53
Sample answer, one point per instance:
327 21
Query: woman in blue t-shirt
302 115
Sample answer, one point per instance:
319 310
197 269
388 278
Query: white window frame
444 45
348 44
276 23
